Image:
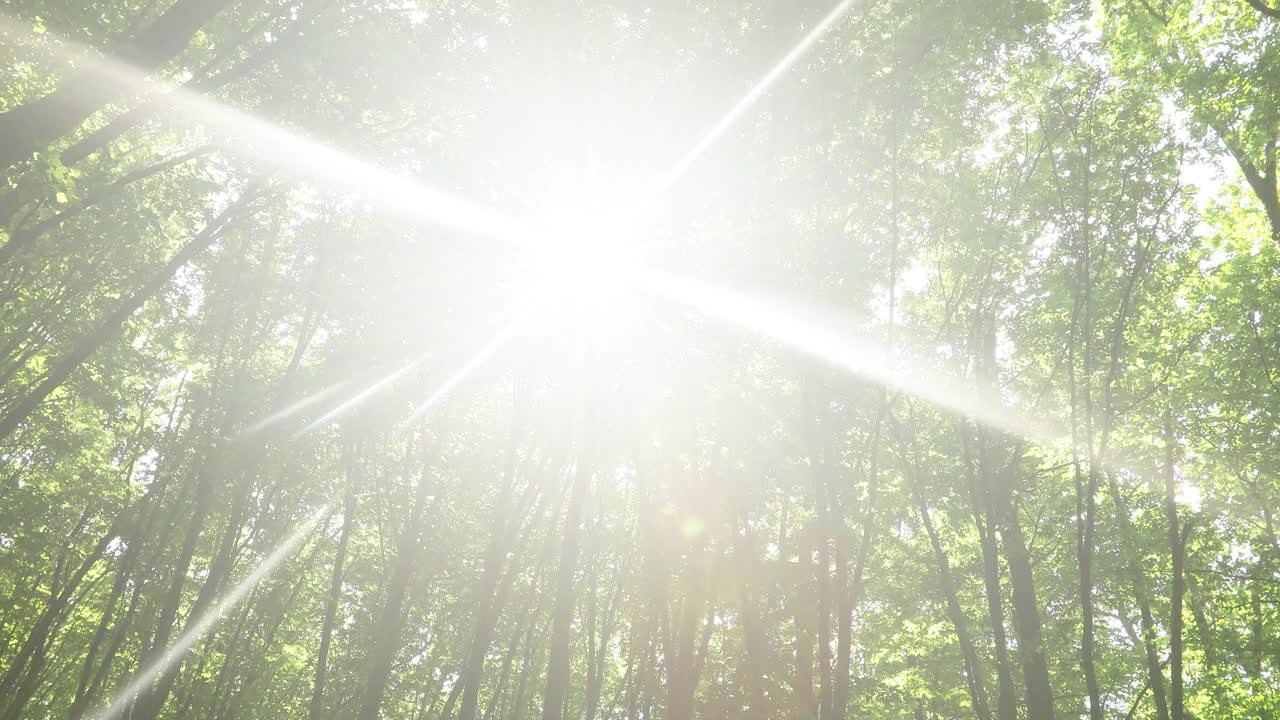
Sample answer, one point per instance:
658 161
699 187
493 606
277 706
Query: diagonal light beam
505 335
294 408
800 329
371 389
735 113
174 654
306 159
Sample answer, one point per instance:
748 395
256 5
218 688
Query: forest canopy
634 360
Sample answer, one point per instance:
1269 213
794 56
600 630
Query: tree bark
981 508
972 669
487 602
316 711
386 634
557 688
1138 579
1177 551
1026 612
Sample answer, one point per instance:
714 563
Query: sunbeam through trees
634 360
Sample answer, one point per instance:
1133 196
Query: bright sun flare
583 252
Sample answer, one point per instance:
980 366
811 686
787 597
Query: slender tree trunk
141 533
386 634
984 521
557 688
804 703
1204 629
972 669
853 591
684 663
152 702
316 711
487 604
22 678
754 640
1177 551
1000 484
824 526
1138 579
1086 492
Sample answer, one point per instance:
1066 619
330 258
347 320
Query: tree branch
1263 8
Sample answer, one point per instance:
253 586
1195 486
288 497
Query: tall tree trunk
824 527
485 597
1000 482
684 661
22 677
142 532
1086 513
1026 611
33 126
755 643
804 702
353 473
1138 579
1177 551
972 669
557 688
220 567
386 633
853 592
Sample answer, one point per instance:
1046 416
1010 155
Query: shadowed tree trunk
984 520
972 668
335 582
1177 551
487 602
557 687
1141 593
386 633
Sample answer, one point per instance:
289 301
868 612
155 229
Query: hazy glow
173 655
346 405
676 171
500 340
802 329
306 159
293 408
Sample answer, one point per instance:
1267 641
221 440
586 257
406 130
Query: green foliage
1058 208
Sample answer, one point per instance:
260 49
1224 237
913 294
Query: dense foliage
969 406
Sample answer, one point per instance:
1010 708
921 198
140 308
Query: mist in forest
636 360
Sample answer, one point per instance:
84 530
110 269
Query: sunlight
369 390
295 407
580 254
305 159
173 655
735 113
500 340
635 359
814 332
